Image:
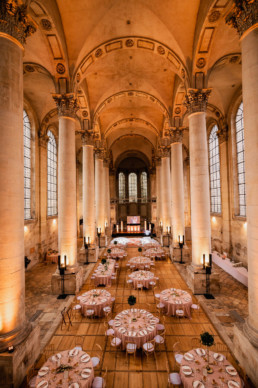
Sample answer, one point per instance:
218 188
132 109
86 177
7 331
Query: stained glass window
240 150
132 187
215 192
27 165
144 186
121 186
51 175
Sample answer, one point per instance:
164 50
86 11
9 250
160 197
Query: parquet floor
140 372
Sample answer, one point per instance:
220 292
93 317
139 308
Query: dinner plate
43 371
73 352
74 385
187 370
233 384
201 352
117 324
231 370
198 384
188 357
42 384
218 357
85 358
56 357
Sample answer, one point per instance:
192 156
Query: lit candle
122 226
149 226
89 239
117 228
145 225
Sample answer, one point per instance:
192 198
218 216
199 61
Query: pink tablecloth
74 375
95 300
174 299
104 272
116 252
135 325
142 277
52 257
154 252
140 261
198 364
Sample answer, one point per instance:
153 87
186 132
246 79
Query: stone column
196 102
107 192
43 139
244 18
67 230
224 177
177 184
14 329
100 187
158 192
88 187
165 188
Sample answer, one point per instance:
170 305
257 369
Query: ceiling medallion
178 110
214 16
161 50
84 113
78 77
201 62
29 68
60 68
46 24
129 43
98 53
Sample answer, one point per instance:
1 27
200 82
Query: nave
138 371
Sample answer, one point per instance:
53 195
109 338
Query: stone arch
127 120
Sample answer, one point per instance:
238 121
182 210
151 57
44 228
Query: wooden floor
125 371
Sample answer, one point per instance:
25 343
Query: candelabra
181 243
86 247
99 234
62 268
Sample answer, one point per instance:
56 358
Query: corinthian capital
176 135
14 21
88 138
243 16
222 134
164 151
67 104
196 100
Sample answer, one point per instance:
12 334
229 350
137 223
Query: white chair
111 322
152 283
90 313
108 330
177 353
107 310
96 359
180 313
115 342
79 340
149 348
99 382
129 282
160 338
130 348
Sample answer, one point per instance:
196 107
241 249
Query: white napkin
200 352
198 384
43 371
231 370
232 384
186 370
74 385
73 352
42 384
86 373
188 357
218 357
56 357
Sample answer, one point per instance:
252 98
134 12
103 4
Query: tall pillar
244 18
100 187
224 176
196 102
14 329
165 188
107 192
158 191
177 184
67 226
88 187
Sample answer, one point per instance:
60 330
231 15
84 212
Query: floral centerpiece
140 249
115 242
207 340
109 251
131 300
103 261
62 368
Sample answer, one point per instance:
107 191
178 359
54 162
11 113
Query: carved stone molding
43 139
164 151
99 153
176 135
67 104
14 20
196 100
223 134
244 15
158 161
88 138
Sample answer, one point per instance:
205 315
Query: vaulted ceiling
129 63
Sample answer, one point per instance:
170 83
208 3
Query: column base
167 240
196 281
245 352
13 366
93 254
69 284
186 254
103 241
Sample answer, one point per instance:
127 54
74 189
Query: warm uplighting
145 225
26 229
54 221
87 240
214 219
205 260
168 229
117 228
99 230
245 225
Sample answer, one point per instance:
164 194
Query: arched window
240 152
132 187
121 186
27 165
144 191
215 192
51 175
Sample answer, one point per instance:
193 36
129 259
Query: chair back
79 340
176 347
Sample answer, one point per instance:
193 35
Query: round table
154 252
95 300
79 362
104 272
52 257
139 261
117 252
135 325
198 364
174 299
142 277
